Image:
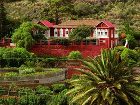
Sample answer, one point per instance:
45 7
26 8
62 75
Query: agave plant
105 80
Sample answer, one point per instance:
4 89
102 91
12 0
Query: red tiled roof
47 23
108 23
75 23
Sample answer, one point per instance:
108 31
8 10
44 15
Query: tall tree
3 18
59 8
80 33
26 35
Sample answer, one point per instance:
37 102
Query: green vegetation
3 21
58 10
106 80
132 56
28 74
80 33
14 57
40 95
24 36
75 55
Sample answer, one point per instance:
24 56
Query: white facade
100 33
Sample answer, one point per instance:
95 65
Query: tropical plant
106 80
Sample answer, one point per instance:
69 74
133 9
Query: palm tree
105 80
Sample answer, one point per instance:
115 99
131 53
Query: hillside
117 11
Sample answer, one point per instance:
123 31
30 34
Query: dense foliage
80 33
132 56
14 56
41 95
57 10
24 36
3 21
75 55
106 80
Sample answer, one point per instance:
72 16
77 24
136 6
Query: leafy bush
59 99
11 74
8 101
26 70
119 48
14 57
131 55
43 90
75 55
23 36
80 33
58 87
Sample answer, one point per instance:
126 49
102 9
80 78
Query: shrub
43 90
14 57
80 33
58 87
10 75
23 36
119 48
75 55
26 70
131 55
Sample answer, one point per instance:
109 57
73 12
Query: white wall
101 33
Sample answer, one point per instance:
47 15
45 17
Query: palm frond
105 80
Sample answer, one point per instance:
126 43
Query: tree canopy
23 36
80 33
3 21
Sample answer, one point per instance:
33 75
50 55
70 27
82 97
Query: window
55 32
94 41
105 33
101 33
98 33
67 32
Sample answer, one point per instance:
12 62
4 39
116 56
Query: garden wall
60 50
